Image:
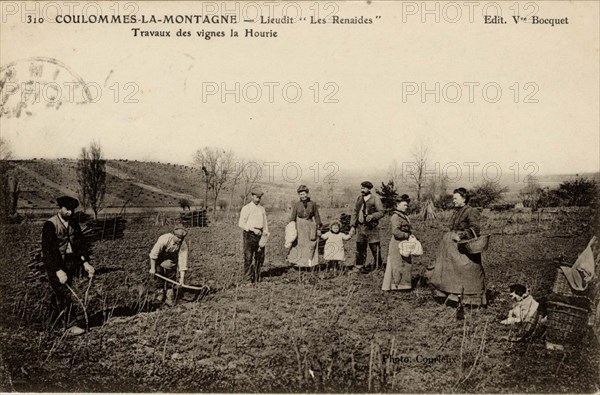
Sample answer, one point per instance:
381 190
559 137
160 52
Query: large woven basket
565 323
563 288
561 285
476 245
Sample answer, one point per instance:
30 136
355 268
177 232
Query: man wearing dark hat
64 255
368 210
171 253
253 220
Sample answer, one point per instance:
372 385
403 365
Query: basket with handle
476 245
565 323
561 285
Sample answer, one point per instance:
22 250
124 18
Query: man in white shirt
253 220
171 253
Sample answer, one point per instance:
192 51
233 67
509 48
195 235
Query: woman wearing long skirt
456 273
398 270
304 251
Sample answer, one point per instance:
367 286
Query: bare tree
394 172
532 192
250 176
236 176
206 177
91 176
5 152
330 191
222 172
4 196
216 165
14 188
418 173
6 201
201 160
435 188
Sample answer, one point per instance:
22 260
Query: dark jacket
400 224
464 221
373 207
306 210
55 237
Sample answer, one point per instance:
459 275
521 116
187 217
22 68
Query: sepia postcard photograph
299 196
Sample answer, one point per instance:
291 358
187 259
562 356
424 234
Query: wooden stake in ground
87 291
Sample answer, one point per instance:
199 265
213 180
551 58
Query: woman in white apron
304 251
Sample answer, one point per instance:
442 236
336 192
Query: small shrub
487 193
578 192
184 203
444 202
222 204
388 195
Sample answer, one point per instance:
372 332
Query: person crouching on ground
171 254
63 254
334 254
253 220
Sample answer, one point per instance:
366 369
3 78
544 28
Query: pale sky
369 67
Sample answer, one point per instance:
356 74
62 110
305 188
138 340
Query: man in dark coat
368 210
64 256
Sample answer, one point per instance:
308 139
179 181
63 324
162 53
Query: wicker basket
561 285
476 245
565 323
563 288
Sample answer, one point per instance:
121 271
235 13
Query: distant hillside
153 185
143 185
137 184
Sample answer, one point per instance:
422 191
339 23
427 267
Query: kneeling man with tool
171 253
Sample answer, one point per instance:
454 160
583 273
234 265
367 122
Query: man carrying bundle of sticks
64 256
171 254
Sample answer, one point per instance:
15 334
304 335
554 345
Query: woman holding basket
398 270
457 274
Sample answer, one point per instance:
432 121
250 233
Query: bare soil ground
296 331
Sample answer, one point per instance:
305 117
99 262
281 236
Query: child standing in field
334 245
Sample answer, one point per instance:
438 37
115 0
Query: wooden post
103 228
115 227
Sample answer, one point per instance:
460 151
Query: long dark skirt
398 270
457 273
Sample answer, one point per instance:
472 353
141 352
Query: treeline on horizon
227 179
